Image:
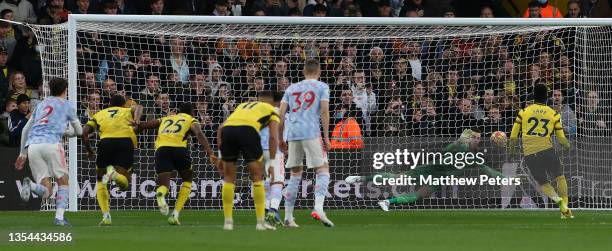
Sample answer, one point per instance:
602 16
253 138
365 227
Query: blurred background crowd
390 87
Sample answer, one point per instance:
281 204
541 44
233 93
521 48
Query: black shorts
168 159
240 140
543 164
115 152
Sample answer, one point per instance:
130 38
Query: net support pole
72 97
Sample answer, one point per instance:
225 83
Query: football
499 138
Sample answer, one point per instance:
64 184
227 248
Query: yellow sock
549 190
562 188
121 181
102 196
182 196
163 190
259 197
227 195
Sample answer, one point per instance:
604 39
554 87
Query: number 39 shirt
304 101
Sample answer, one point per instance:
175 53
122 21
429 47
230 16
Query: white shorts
274 169
47 161
312 148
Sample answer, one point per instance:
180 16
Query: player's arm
20 162
273 145
559 132
325 122
137 113
281 125
90 127
516 130
74 126
154 123
196 129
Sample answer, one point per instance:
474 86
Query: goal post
421 74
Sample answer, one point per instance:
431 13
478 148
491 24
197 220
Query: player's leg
539 164
276 176
163 168
556 170
103 160
183 164
295 164
123 156
266 163
229 155
252 153
316 157
56 160
41 186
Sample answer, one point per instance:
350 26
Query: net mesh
407 86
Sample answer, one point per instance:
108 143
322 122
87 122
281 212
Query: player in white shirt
307 103
41 141
275 179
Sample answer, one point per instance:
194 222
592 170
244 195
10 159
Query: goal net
409 86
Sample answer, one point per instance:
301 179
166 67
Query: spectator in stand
197 88
216 79
10 105
488 99
18 86
568 116
495 122
365 99
222 8
352 10
344 107
593 117
162 106
177 61
486 12
5 73
113 65
574 10
18 118
223 104
280 71
461 117
156 7
81 7
402 79
109 88
320 10
384 8
566 85
23 10
14 32
53 13
283 84
310 7
542 9
596 8
274 7
449 12
418 7
7 39
259 12
91 105
125 7
392 122
413 56
505 79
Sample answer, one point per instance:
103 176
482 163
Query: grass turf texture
355 230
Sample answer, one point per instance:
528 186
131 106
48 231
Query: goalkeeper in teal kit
467 142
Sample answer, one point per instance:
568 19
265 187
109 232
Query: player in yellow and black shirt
239 135
536 123
171 153
115 149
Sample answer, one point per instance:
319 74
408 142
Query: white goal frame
75 18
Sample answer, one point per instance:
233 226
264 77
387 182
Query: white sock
40 190
61 202
321 185
267 189
276 195
291 195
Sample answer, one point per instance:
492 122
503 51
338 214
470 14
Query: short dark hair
57 86
117 100
311 65
540 93
186 108
274 95
534 3
5 11
22 98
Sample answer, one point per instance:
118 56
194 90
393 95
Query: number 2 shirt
50 120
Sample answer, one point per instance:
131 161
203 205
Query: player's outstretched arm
74 129
137 113
196 129
154 123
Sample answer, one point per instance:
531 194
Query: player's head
540 93
58 87
117 100
312 69
186 108
471 137
270 97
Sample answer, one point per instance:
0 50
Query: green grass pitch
355 230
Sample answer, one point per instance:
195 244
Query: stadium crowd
392 87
